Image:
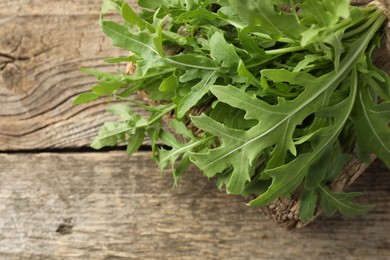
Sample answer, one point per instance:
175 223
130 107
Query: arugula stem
364 26
284 50
151 75
286 40
163 112
148 108
342 24
237 25
325 191
262 62
281 39
185 148
138 103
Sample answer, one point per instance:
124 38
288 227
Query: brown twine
384 6
382 55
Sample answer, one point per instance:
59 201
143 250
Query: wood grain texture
43 44
109 206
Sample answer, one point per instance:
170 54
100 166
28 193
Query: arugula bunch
287 91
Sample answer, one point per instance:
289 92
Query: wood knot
65 228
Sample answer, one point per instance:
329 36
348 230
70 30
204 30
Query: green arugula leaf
169 157
321 143
100 75
132 18
263 13
323 17
110 134
141 44
276 126
287 90
189 61
136 140
108 87
223 52
197 92
111 5
131 129
85 98
308 204
372 127
132 58
333 201
195 15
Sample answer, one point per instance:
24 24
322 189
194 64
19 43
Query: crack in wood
85 149
66 227
6 59
13 58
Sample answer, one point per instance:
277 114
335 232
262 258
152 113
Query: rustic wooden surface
78 204
109 206
43 44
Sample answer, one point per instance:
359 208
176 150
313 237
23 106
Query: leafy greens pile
287 91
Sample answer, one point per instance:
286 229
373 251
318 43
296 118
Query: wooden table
62 200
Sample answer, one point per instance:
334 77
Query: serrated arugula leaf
85 98
141 43
132 58
372 127
100 75
322 18
136 140
110 134
263 13
178 151
276 125
322 142
197 92
195 15
249 38
150 4
304 64
317 172
285 88
223 52
108 87
333 201
132 18
308 205
250 78
293 78
111 5
124 112
169 84
131 129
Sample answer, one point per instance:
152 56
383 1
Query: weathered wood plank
109 206
42 46
49 8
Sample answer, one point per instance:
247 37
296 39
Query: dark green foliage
280 83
